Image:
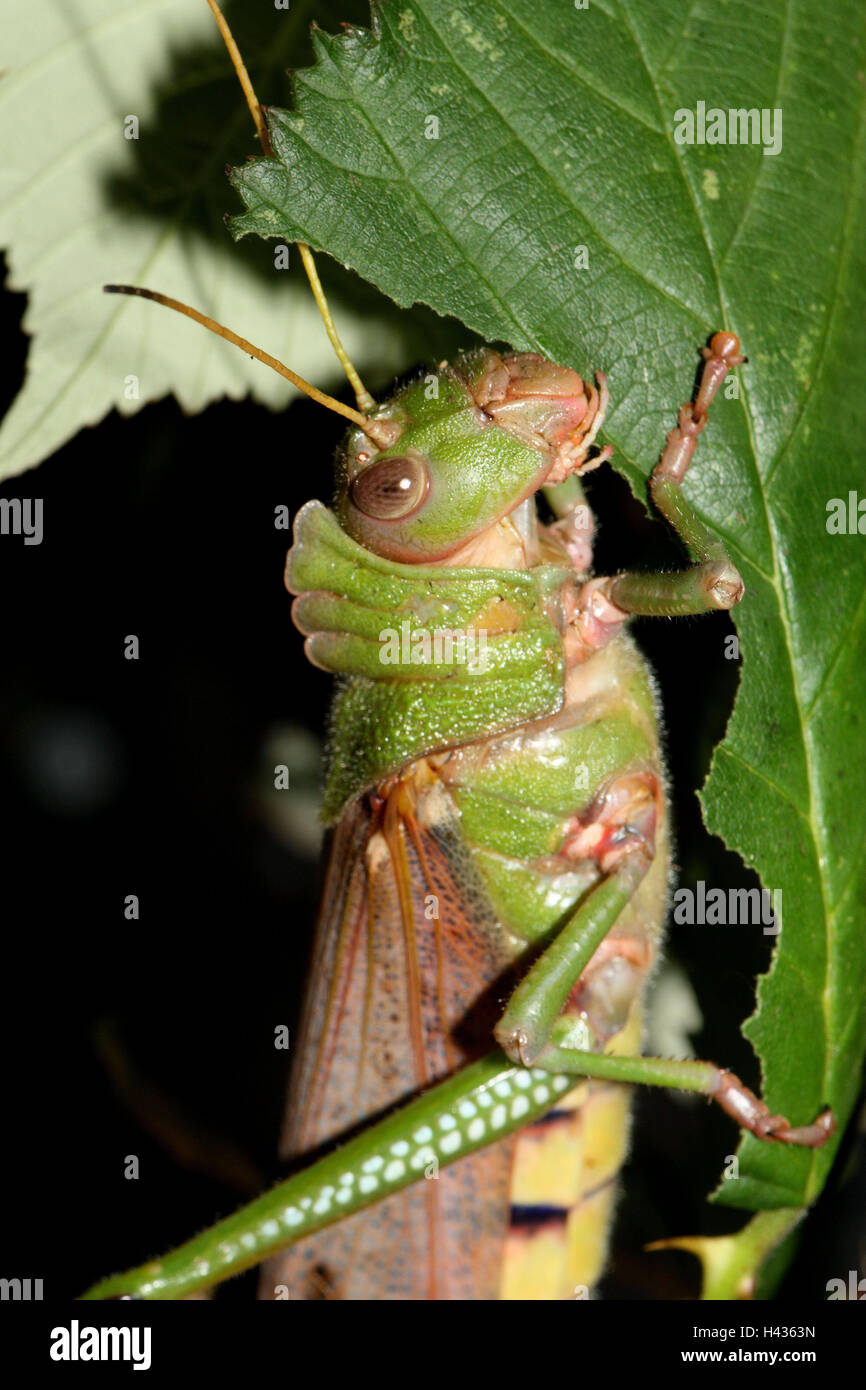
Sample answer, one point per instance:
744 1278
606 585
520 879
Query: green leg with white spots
481 1104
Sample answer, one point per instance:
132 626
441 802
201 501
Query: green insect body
521 774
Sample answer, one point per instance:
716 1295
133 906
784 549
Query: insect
499 850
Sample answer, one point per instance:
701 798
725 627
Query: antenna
381 432
362 395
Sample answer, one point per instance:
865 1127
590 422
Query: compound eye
390 490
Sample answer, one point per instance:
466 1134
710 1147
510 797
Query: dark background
155 1037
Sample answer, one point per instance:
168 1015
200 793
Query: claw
750 1112
811 1136
722 354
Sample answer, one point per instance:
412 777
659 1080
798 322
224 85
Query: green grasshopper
499 848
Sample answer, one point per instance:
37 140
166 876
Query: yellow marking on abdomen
565 1171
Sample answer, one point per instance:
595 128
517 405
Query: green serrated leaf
461 155
82 204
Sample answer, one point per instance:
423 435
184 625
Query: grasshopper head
470 443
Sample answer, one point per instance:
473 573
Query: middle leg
618 831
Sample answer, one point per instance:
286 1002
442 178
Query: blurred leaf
82 205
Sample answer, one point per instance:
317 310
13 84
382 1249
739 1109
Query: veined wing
403 990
